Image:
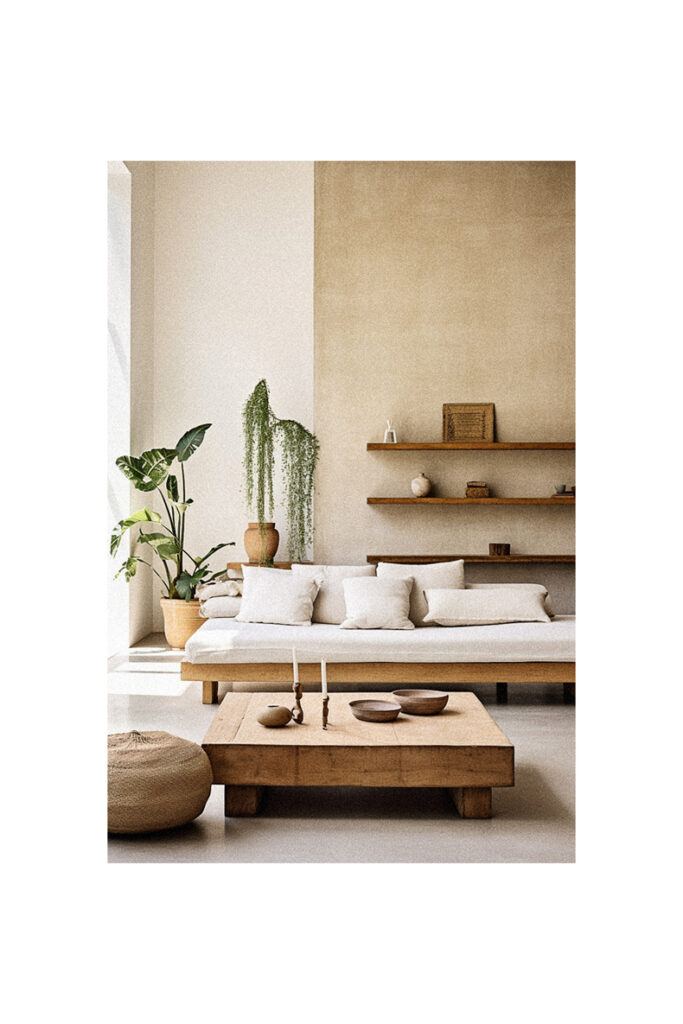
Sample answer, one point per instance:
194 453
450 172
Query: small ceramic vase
274 716
421 486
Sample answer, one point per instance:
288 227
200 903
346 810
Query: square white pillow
484 607
329 604
276 595
434 574
372 603
537 587
253 571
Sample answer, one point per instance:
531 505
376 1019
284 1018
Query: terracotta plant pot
260 542
181 620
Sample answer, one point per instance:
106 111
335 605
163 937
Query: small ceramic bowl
421 702
374 710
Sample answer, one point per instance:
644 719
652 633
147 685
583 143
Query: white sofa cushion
484 607
434 574
329 605
372 603
537 587
228 642
277 596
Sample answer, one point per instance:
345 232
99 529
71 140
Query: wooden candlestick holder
297 710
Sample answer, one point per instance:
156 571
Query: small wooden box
468 421
477 492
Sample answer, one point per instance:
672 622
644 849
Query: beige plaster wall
443 282
233 302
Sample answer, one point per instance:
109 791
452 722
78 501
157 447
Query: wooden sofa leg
569 693
209 692
501 693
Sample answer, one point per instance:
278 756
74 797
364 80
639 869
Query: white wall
233 302
142 369
118 379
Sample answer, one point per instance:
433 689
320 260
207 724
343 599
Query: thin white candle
295 663
323 676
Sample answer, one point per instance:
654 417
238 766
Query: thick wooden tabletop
460 746
463 722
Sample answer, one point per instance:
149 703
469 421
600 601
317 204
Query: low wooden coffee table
462 750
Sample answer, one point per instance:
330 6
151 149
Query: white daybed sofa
224 650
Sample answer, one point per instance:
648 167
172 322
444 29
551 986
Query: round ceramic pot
181 620
421 486
274 716
261 541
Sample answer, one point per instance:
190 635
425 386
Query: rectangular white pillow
432 574
372 603
329 604
277 596
537 587
223 607
484 607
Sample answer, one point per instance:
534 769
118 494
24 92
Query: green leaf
143 516
214 576
182 505
228 544
190 441
150 470
185 583
129 567
166 547
172 487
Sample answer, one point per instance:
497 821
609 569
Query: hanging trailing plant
257 426
299 454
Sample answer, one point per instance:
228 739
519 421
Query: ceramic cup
560 488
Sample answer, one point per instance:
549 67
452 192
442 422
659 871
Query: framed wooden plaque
468 421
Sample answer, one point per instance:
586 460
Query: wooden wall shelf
474 446
506 559
471 501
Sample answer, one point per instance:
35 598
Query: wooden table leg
241 801
472 801
209 692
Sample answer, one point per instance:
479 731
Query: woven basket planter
156 781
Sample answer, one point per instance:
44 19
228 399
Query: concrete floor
533 822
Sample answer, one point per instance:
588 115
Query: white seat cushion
226 641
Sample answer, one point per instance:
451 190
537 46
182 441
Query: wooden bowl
421 702
374 710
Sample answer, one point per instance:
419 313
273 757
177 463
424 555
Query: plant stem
182 521
150 566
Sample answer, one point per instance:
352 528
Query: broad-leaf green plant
298 449
148 473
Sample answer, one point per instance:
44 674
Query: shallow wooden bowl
421 702
374 710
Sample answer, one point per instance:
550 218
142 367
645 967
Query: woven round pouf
156 781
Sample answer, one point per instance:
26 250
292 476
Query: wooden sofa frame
423 672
